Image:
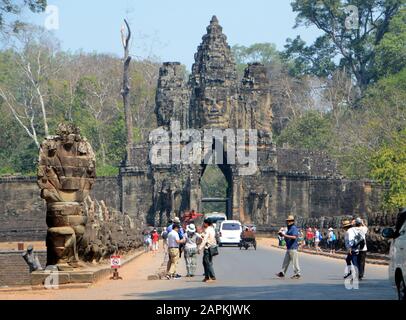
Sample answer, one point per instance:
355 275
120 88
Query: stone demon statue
66 174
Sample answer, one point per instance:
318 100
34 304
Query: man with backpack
331 240
354 240
363 229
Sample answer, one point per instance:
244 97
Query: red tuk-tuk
192 217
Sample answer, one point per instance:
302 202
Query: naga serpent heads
66 174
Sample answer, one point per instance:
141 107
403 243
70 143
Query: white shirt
172 237
317 236
364 231
209 238
350 237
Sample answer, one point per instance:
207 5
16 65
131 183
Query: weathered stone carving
288 181
107 233
172 95
66 174
213 82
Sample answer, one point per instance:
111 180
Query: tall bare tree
32 53
125 38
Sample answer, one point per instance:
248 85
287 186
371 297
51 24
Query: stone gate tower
214 98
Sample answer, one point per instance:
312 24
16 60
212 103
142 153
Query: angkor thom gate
300 182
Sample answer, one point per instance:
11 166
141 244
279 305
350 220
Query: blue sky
171 30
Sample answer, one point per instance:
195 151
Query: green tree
361 133
214 185
317 59
265 53
391 52
348 39
311 131
388 166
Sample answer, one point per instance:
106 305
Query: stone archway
228 199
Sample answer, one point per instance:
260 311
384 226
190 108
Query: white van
230 232
216 218
397 265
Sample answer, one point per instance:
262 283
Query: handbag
214 250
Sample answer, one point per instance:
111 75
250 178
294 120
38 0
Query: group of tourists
355 244
311 238
191 244
151 240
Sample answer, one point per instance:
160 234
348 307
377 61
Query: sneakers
347 275
282 275
178 276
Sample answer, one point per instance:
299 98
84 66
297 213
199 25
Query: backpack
165 235
320 236
333 237
359 241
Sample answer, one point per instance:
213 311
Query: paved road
241 275
251 275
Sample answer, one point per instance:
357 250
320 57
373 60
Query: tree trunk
125 92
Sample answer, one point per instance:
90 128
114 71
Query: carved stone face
216 109
68 141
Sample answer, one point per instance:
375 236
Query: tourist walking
353 240
164 236
147 241
192 239
363 229
155 240
173 251
209 247
291 255
309 237
317 238
331 240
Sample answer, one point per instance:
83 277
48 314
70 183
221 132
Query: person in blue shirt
181 232
291 238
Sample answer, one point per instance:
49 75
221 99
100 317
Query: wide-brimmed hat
346 223
191 228
176 220
290 218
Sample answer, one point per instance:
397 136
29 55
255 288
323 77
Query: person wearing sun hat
352 240
331 240
192 240
291 255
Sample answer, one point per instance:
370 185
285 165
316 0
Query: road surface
241 275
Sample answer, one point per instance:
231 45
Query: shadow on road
368 290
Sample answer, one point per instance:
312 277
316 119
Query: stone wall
272 196
14 270
22 211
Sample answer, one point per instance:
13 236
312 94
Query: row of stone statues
107 232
